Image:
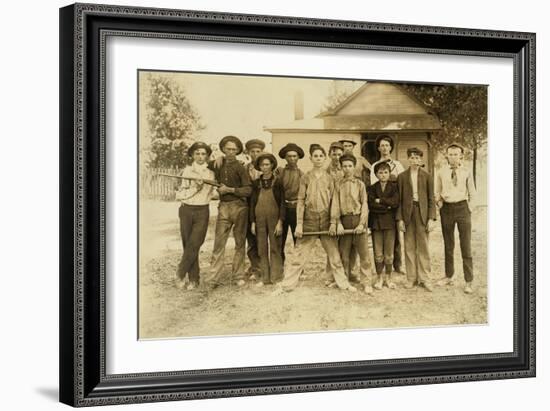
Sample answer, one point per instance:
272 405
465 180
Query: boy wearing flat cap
233 210
415 217
383 198
363 167
350 211
254 148
195 197
313 215
335 151
362 171
267 213
290 176
455 194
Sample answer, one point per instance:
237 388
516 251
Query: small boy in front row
383 200
351 211
415 217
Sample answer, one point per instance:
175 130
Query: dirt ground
165 311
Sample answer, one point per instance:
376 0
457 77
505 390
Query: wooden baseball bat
209 182
347 231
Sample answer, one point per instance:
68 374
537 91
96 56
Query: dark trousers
351 245
383 242
252 250
290 222
193 227
397 259
457 214
269 248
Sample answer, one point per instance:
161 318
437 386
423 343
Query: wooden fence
157 187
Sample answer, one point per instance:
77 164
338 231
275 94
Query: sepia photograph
272 204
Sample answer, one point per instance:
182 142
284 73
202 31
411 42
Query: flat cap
336 145
348 157
255 142
415 150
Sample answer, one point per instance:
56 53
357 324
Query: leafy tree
172 122
339 91
462 111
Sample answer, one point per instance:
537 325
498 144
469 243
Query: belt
455 203
291 201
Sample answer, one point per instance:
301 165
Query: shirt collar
199 167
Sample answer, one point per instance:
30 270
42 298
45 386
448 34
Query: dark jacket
382 214
232 174
425 196
278 194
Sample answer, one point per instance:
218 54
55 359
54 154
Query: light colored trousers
302 254
232 216
417 253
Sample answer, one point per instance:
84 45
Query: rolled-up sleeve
245 190
300 206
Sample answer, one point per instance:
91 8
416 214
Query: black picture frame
83 30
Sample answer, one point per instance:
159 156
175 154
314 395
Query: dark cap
384 137
382 164
233 139
255 142
313 147
415 150
263 156
348 157
291 147
456 145
336 145
196 145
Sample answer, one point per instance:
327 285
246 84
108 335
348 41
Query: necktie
453 176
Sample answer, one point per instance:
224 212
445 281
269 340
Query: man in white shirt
384 145
194 212
455 193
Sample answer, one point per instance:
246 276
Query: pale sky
244 105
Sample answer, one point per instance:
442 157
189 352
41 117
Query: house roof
375 106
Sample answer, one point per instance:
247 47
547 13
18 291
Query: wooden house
375 108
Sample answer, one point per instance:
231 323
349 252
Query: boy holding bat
313 216
195 196
351 212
